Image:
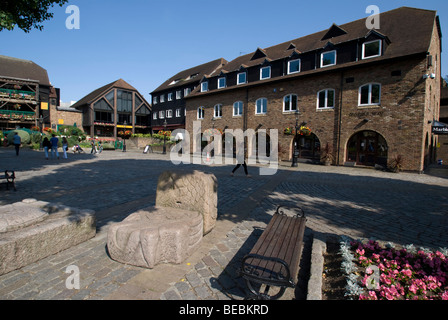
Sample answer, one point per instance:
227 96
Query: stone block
155 235
193 191
32 230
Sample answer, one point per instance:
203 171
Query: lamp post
41 127
124 136
164 138
295 155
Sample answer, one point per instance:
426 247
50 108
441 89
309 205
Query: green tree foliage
26 14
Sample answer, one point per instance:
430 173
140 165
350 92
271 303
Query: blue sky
146 42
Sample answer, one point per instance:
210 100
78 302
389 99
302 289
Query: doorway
367 148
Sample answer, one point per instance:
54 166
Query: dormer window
371 49
221 83
328 59
265 73
241 78
204 86
293 66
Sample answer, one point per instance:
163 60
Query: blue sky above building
146 42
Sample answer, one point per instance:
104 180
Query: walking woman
64 147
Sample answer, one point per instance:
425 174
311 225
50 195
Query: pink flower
445 295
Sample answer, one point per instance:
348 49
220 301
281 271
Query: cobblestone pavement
402 208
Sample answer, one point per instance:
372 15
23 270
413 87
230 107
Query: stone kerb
169 232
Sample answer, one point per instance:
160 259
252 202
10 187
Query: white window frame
369 103
322 58
204 86
162 98
154 100
162 114
169 113
170 96
178 110
217 111
290 101
187 91
222 85
154 116
289 66
261 73
326 99
256 106
179 94
236 108
200 113
369 42
238 78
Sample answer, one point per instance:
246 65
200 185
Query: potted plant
327 156
396 164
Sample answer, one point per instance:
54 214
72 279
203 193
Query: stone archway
367 148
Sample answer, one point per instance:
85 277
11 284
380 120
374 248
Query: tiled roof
23 69
185 77
120 83
400 26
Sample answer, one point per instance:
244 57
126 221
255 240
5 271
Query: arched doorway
309 147
367 148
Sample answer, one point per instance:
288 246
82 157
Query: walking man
17 142
54 146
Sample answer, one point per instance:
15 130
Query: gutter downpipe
340 118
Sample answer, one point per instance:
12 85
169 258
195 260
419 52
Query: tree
26 14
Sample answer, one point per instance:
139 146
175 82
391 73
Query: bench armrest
254 273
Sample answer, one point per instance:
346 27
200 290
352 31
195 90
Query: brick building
370 94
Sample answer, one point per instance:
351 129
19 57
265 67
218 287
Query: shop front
367 148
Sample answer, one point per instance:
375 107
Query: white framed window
221 83
169 113
241 78
370 94
294 66
170 96
290 103
238 109
154 100
261 106
154 116
265 73
179 94
204 86
201 113
187 91
217 111
328 59
162 98
178 112
371 49
162 114
325 99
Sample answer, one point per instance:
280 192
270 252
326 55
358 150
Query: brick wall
408 104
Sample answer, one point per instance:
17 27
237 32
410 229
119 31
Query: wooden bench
272 264
9 176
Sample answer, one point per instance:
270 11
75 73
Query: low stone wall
32 230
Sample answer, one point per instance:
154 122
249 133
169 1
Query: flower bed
376 272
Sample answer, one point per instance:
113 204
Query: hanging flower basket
289 131
304 131
124 134
212 132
